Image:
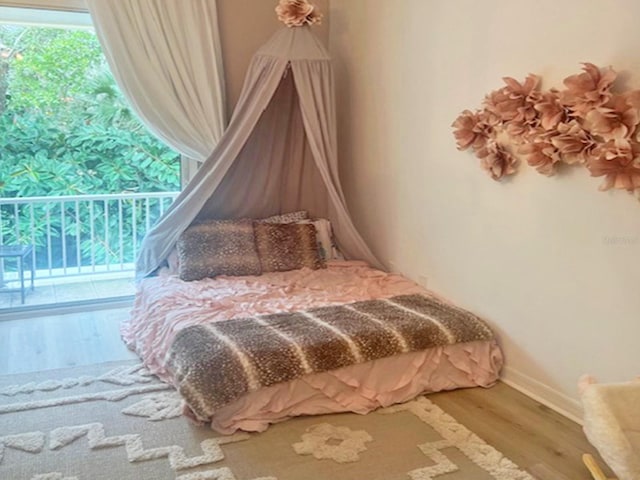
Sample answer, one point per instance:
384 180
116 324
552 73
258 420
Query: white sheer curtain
165 56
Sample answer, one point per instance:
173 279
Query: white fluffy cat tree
612 425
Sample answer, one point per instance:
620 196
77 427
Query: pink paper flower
515 102
573 142
471 130
543 156
496 160
633 98
619 164
588 90
295 13
615 120
551 111
585 124
519 132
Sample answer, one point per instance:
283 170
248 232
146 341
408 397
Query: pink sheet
165 304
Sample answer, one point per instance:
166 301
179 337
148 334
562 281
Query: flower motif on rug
318 441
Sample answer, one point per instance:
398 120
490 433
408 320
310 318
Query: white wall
530 254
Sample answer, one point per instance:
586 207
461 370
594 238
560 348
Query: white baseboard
544 394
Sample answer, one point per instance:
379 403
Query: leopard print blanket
217 363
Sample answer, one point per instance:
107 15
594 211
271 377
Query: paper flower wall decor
584 124
295 13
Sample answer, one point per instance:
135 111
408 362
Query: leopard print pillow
219 247
282 247
290 217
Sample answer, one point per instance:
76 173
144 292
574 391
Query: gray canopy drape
278 154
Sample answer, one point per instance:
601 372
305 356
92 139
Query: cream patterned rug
116 422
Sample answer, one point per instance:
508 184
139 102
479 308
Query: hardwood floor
546 444
541 441
45 343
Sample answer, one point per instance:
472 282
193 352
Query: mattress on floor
165 305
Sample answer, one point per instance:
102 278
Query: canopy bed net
278 154
280 329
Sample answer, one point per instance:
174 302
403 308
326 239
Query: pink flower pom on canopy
296 13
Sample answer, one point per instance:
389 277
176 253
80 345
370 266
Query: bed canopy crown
278 154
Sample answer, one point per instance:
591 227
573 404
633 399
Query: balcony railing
82 234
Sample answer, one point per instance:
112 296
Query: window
81 178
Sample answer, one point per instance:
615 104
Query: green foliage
51 68
65 129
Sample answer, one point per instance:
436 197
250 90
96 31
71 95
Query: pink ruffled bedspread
165 304
365 387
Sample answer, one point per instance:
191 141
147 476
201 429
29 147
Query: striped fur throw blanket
217 363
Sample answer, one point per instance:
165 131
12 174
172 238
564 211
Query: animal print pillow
290 217
282 247
218 247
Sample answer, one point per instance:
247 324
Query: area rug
116 421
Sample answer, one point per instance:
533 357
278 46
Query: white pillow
327 247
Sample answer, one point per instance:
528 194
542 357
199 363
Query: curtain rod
45 6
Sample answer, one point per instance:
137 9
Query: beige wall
531 254
244 26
